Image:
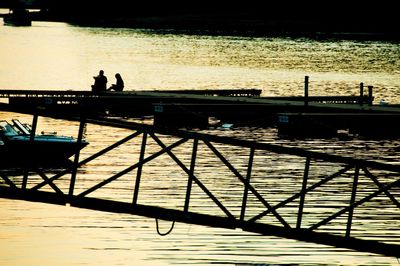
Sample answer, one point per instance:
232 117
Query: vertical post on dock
303 193
370 94
31 142
139 170
247 184
82 126
191 173
306 91
361 93
352 200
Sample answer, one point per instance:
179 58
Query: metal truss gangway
253 186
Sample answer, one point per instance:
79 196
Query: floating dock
321 115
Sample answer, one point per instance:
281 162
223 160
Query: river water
59 56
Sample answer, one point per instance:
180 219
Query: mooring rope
169 231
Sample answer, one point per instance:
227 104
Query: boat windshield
21 127
7 130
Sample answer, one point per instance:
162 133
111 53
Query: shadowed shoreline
330 20
251 27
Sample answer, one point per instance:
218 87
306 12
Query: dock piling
370 94
361 93
306 80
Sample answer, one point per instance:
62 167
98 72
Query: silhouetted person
100 82
119 85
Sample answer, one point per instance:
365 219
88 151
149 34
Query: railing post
361 93
31 142
306 91
139 170
247 184
352 200
191 173
370 94
303 193
82 126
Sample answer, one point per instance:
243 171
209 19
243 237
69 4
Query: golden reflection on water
60 56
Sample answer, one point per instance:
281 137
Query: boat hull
19 17
20 153
18 149
37 154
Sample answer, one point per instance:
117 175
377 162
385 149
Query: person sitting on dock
100 82
119 85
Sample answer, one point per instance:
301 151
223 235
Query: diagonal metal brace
131 168
90 158
298 194
243 180
356 204
191 175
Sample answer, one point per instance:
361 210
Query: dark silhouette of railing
293 224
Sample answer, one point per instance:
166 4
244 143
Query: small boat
46 149
18 17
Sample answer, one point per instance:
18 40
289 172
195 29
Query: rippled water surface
60 56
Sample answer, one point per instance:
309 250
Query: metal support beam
247 185
361 245
51 184
82 126
296 195
303 193
191 174
8 181
32 141
139 169
131 168
352 200
252 189
200 184
356 204
380 185
90 158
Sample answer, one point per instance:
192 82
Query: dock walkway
194 108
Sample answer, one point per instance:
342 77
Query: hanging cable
169 231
